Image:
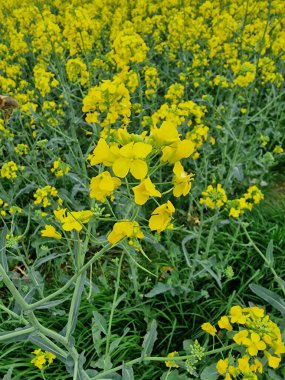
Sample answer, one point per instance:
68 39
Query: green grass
182 309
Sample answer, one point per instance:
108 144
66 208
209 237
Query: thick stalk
159 359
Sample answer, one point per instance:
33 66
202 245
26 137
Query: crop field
142 189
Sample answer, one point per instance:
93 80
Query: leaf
39 342
51 304
273 375
149 339
174 375
77 304
209 373
117 341
238 172
158 289
127 373
270 297
3 257
120 299
100 322
8 374
184 249
48 258
206 265
269 253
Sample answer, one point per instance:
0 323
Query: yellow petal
139 169
121 167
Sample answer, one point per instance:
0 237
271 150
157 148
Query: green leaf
127 373
8 374
270 297
149 339
159 288
209 373
269 253
174 375
273 375
3 257
100 322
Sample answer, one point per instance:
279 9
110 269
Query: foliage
140 141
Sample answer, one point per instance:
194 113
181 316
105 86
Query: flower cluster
43 196
59 168
9 170
258 341
246 202
42 359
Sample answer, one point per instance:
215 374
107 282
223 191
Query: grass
179 311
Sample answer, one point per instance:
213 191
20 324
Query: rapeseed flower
73 220
50 231
182 180
210 329
132 158
214 197
145 190
125 228
171 363
161 217
42 359
103 185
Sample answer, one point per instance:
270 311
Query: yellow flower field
141 143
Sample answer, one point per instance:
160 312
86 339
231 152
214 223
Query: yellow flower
182 180
237 316
240 336
44 195
210 329
214 196
161 217
222 366
39 361
74 220
278 149
103 185
59 168
254 344
122 229
42 358
167 134
256 366
132 158
234 212
254 311
177 151
273 361
171 363
9 170
50 231
145 190
102 153
243 364
224 323
254 193
60 214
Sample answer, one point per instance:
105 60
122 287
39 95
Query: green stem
53 345
21 319
277 278
79 258
113 310
160 359
211 234
15 293
15 334
70 281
